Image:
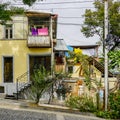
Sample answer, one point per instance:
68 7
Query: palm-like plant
40 83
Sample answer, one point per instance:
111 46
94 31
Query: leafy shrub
83 103
114 107
103 114
114 104
40 83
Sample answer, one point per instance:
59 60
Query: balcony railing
39 41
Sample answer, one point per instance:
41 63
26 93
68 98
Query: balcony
39 41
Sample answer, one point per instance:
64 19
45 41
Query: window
8 31
59 58
8 69
70 69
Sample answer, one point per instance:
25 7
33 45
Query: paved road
17 110
25 114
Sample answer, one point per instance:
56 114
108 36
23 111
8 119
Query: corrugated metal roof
60 45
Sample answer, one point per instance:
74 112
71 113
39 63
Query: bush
40 83
113 108
114 104
83 103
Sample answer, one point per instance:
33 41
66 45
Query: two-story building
26 42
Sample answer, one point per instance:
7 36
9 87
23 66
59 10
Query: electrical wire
66 2
70 2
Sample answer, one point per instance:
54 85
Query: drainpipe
17 88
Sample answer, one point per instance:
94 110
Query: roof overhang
85 46
60 45
41 13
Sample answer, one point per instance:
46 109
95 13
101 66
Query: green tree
6 12
81 59
94 19
114 58
40 83
29 2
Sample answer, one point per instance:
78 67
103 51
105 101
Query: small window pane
8 31
11 33
6 35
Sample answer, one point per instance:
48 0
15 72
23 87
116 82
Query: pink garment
43 31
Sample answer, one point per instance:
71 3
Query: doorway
35 62
7 69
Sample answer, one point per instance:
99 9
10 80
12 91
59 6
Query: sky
70 18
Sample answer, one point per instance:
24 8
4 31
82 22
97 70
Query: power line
70 2
64 8
70 24
69 17
73 8
66 2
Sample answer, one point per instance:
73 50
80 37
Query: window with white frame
8 31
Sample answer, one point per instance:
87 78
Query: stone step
12 97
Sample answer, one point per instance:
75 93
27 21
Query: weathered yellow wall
20 27
19 50
21 31
76 70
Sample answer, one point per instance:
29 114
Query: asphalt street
25 114
19 110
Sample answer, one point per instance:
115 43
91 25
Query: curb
56 108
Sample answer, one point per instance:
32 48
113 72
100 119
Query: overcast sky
70 18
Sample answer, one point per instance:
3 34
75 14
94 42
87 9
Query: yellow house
96 70
26 42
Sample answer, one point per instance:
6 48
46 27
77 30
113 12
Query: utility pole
106 53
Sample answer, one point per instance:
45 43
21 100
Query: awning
60 45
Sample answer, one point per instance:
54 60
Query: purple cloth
34 31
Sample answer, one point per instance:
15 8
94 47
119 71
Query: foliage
114 104
61 91
114 58
41 82
83 103
61 75
29 2
17 10
6 12
94 19
81 59
114 107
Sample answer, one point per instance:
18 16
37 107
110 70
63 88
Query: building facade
26 42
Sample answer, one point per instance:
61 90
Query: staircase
22 84
99 66
23 89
